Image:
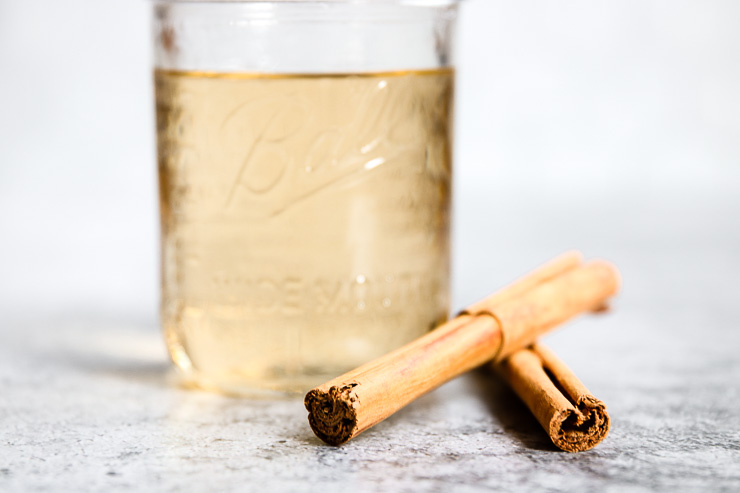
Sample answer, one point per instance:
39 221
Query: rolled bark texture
574 419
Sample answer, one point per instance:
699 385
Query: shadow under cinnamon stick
509 411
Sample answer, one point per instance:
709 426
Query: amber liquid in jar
305 221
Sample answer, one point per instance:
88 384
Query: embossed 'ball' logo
292 145
266 157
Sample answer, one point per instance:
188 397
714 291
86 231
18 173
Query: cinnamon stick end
332 413
580 429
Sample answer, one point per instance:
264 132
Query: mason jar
304 158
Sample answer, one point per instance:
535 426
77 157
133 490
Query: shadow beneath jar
111 348
152 374
511 413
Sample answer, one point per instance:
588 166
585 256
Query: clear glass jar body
305 177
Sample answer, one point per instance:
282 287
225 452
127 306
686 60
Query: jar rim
419 3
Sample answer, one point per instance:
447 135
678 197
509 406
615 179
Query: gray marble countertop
88 401
612 127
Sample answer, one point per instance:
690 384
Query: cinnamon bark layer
574 419
489 330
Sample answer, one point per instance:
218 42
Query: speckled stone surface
88 402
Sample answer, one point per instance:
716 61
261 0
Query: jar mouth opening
419 3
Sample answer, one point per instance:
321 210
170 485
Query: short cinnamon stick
573 418
491 329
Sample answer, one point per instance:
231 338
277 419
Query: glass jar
304 156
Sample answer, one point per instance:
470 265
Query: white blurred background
609 126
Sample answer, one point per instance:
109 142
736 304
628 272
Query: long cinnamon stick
491 329
574 419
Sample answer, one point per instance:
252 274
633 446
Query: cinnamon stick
489 330
574 419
